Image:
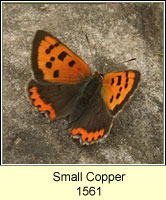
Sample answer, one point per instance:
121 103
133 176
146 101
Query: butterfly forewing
53 62
117 87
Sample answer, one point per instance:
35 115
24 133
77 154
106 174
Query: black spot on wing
111 100
120 89
56 73
126 85
71 63
117 96
62 55
112 81
48 51
119 80
127 79
51 47
52 58
48 64
56 44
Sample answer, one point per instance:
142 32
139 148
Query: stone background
117 32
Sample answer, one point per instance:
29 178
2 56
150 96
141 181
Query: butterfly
64 86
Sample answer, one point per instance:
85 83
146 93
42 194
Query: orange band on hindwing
89 136
42 106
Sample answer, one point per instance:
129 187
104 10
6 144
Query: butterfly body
65 87
90 89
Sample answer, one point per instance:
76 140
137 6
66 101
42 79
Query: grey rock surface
117 32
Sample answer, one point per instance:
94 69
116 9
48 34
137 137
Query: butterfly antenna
90 49
87 39
126 61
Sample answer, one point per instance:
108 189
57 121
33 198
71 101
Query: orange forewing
55 62
118 87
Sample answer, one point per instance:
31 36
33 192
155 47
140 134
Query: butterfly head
99 75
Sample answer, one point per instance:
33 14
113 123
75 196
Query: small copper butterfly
65 87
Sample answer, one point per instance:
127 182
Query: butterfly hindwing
53 62
94 123
57 100
117 87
